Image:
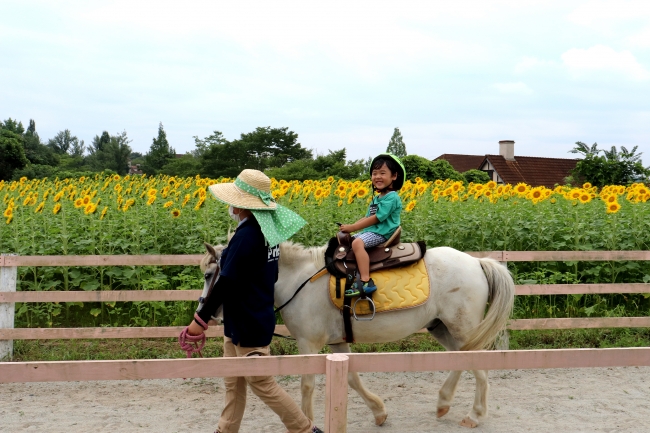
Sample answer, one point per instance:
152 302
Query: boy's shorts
370 239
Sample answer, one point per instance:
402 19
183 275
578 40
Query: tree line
275 151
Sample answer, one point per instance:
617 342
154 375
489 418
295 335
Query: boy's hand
346 228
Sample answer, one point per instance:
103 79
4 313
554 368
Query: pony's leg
479 410
447 392
373 401
440 332
307 381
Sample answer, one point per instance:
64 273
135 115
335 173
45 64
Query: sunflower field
169 215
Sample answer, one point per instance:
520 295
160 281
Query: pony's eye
207 276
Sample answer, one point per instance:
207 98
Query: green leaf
95 312
89 285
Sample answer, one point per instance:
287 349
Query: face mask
232 214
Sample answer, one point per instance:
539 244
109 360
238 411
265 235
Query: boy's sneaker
359 286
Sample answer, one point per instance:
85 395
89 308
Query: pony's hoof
468 422
442 411
380 419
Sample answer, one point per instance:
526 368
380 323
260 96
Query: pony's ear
210 249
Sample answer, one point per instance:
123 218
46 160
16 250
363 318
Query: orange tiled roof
462 163
533 170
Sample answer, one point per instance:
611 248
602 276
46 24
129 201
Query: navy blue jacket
249 270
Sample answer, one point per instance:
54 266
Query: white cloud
601 58
530 63
515 88
605 15
641 39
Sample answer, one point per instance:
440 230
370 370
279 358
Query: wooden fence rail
335 367
8 294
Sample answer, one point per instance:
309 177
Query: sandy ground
559 401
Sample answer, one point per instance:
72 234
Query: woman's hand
194 328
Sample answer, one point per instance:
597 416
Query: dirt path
558 401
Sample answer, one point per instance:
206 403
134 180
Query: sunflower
168 204
584 198
438 182
8 212
151 192
90 208
479 187
318 194
362 192
613 207
79 203
574 194
491 184
175 213
40 207
340 203
101 217
521 188
151 199
536 193
586 185
86 199
58 196
9 219
553 201
611 199
116 177
410 206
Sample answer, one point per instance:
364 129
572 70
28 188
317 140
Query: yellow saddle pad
397 289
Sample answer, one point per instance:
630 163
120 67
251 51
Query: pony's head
210 267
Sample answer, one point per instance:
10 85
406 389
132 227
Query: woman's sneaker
316 430
358 286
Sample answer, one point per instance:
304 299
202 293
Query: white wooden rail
8 294
335 367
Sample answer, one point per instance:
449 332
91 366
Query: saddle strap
347 321
338 288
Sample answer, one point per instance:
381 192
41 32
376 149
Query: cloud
641 39
601 58
605 16
530 63
514 88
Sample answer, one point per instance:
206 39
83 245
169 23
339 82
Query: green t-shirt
387 209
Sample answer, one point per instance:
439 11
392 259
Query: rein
314 277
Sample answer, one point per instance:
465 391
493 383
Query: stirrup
371 305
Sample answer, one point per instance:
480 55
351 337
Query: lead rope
185 340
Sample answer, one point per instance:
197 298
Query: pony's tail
501 296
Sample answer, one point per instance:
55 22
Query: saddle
390 254
341 264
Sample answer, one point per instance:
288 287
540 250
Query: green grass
78 350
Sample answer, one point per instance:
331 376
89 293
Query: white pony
461 287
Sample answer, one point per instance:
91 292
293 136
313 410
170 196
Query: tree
160 153
13 155
260 149
332 164
614 167
417 166
110 152
396 145
36 152
476 176
63 142
186 166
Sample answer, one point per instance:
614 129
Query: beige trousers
265 387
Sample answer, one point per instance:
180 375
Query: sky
455 77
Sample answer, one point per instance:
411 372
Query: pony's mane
291 252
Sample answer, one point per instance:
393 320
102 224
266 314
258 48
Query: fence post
503 339
336 393
8 277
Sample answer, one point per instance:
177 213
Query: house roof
532 170
462 163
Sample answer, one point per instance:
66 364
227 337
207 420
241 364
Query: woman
249 270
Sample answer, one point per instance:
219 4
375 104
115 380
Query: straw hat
251 190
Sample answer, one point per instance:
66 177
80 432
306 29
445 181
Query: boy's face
382 177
